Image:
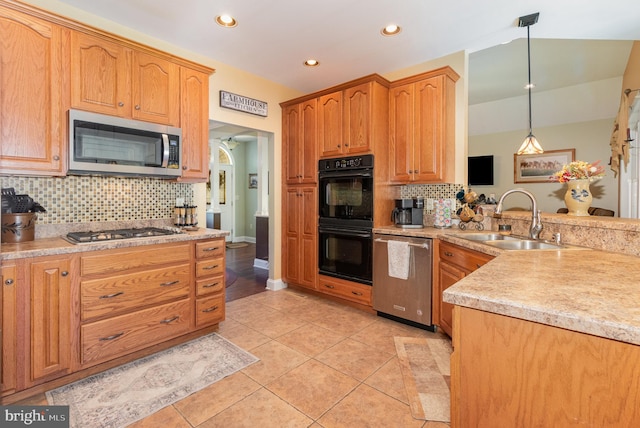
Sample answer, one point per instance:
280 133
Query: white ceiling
273 38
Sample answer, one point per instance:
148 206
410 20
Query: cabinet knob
448 254
120 104
64 273
338 145
56 158
8 282
184 167
329 286
137 107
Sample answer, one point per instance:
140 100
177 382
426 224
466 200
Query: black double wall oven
346 218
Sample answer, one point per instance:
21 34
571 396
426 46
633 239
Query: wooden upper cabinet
194 119
156 90
330 135
357 120
300 133
101 75
32 95
421 128
109 78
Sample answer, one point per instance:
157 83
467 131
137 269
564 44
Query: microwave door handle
165 150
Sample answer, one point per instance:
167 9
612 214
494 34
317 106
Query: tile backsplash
79 199
431 191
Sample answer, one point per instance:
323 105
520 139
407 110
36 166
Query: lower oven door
346 253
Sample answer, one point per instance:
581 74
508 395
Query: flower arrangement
579 170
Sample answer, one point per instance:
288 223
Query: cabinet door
291 144
428 148
308 259
330 124
50 312
292 233
32 102
8 317
100 75
401 122
155 88
309 142
194 120
357 119
448 275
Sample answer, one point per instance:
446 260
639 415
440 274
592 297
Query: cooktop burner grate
110 235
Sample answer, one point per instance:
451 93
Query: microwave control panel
174 153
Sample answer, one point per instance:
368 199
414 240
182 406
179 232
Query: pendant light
530 145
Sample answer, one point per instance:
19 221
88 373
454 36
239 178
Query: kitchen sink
510 242
487 237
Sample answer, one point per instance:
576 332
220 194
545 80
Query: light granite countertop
583 290
57 245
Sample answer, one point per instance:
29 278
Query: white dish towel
398 254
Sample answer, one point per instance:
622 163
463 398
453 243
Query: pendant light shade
530 145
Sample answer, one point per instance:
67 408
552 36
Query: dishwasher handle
411 244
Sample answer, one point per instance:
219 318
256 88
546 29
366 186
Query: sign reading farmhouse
238 102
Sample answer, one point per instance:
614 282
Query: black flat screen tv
480 170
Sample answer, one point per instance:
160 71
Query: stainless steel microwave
108 145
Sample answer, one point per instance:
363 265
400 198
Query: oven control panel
346 163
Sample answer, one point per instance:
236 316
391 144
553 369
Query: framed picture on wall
538 168
253 181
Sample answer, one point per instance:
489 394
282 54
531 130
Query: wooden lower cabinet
210 282
49 308
509 372
453 264
86 311
348 290
8 329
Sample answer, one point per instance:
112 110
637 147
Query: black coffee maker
408 213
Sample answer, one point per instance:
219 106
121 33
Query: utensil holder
18 227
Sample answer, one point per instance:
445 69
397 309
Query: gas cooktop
110 235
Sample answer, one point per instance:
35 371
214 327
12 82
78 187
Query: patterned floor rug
125 394
425 365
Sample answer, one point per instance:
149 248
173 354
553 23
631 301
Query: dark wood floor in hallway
250 280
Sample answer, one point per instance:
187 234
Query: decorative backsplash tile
79 199
431 191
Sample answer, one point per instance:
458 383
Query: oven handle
365 173
345 232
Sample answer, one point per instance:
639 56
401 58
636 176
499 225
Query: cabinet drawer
133 258
209 267
210 285
122 293
214 248
356 292
209 310
466 259
111 338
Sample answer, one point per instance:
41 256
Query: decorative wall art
538 168
253 181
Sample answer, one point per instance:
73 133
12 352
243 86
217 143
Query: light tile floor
322 364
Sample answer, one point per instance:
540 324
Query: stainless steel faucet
536 223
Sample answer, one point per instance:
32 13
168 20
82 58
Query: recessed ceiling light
311 63
390 30
226 21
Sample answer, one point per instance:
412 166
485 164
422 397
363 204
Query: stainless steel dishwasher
405 300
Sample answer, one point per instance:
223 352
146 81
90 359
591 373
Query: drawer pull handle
210 249
329 286
210 267
478 265
113 336
9 281
448 254
213 284
166 284
357 293
211 309
111 296
169 320
64 273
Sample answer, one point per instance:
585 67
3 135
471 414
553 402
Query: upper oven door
346 195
